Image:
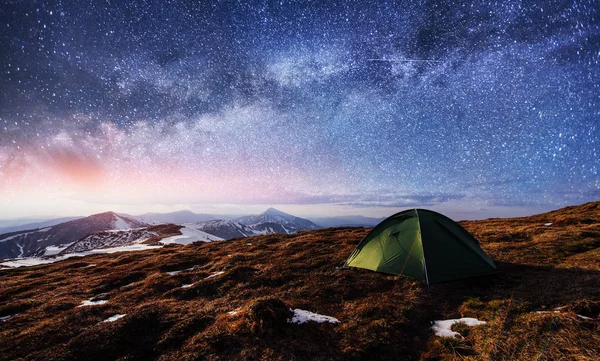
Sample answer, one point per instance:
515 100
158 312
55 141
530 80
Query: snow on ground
20 250
190 235
5 318
34 261
120 223
215 275
16 235
52 250
133 247
113 318
92 303
442 328
173 273
187 286
24 234
547 224
302 316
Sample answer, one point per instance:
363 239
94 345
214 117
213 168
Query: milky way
358 107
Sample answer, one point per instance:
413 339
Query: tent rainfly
422 244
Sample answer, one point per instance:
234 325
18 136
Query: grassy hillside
553 268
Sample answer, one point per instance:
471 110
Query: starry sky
476 109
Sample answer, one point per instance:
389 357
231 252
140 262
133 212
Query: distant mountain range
178 217
275 221
36 225
109 229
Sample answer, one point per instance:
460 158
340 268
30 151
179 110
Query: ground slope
549 268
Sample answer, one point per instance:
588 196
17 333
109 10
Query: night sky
471 108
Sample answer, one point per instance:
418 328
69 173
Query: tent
421 244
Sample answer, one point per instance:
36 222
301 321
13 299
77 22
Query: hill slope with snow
224 229
26 243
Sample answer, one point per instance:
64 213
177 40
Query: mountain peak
275 221
275 212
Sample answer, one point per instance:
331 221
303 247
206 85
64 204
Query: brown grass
547 266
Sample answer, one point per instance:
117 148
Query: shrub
268 314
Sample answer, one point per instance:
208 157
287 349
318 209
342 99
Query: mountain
178 217
275 221
232 300
223 229
25 243
119 238
152 235
36 225
345 221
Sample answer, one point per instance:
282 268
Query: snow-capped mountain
275 221
25 243
223 229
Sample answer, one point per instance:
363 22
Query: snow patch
173 273
133 247
187 286
34 261
214 275
120 223
15 236
92 303
113 318
20 250
190 235
302 316
442 328
5 318
52 250
584 317
547 224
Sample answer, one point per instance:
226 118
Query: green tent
421 244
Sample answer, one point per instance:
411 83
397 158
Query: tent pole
423 248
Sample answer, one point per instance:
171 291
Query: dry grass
547 266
